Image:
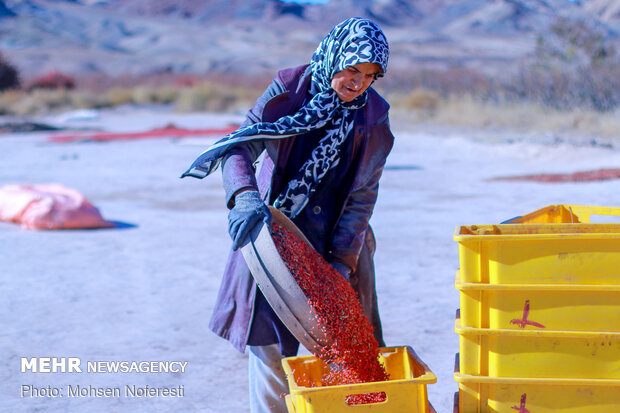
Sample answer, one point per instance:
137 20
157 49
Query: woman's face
354 80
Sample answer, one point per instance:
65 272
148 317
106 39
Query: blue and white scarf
353 41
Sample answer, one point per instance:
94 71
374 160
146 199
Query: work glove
248 212
342 269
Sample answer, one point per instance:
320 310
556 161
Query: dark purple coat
351 240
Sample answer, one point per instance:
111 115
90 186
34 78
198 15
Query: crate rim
477 379
460 237
470 378
475 286
427 378
578 211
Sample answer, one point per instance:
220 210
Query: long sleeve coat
337 226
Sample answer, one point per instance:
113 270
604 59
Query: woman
325 134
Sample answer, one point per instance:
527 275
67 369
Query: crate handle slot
604 219
602 215
364 399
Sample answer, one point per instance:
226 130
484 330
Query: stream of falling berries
353 351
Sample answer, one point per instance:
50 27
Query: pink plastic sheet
48 206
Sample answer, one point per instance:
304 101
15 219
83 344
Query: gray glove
248 212
342 269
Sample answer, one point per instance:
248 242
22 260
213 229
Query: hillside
254 37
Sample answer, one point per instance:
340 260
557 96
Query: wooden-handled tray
279 286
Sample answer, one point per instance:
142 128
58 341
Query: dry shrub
88 100
472 112
27 106
574 66
463 110
422 99
43 101
206 97
119 96
450 81
167 94
8 100
201 97
469 112
597 88
610 124
148 95
593 123
52 98
144 95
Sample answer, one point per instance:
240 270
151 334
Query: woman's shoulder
292 78
376 107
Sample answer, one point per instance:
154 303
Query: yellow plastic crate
479 394
538 353
405 390
586 254
569 214
540 307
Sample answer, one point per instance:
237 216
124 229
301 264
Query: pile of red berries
353 351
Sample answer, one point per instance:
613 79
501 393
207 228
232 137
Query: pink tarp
49 206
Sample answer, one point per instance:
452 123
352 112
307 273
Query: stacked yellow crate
539 322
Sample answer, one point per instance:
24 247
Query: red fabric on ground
170 132
586 176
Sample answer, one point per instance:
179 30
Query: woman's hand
248 212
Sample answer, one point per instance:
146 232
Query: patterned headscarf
353 41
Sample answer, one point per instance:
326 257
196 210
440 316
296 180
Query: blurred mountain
481 15
606 10
253 37
5 11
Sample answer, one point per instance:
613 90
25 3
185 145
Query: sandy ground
145 292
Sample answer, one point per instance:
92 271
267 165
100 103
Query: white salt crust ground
146 292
